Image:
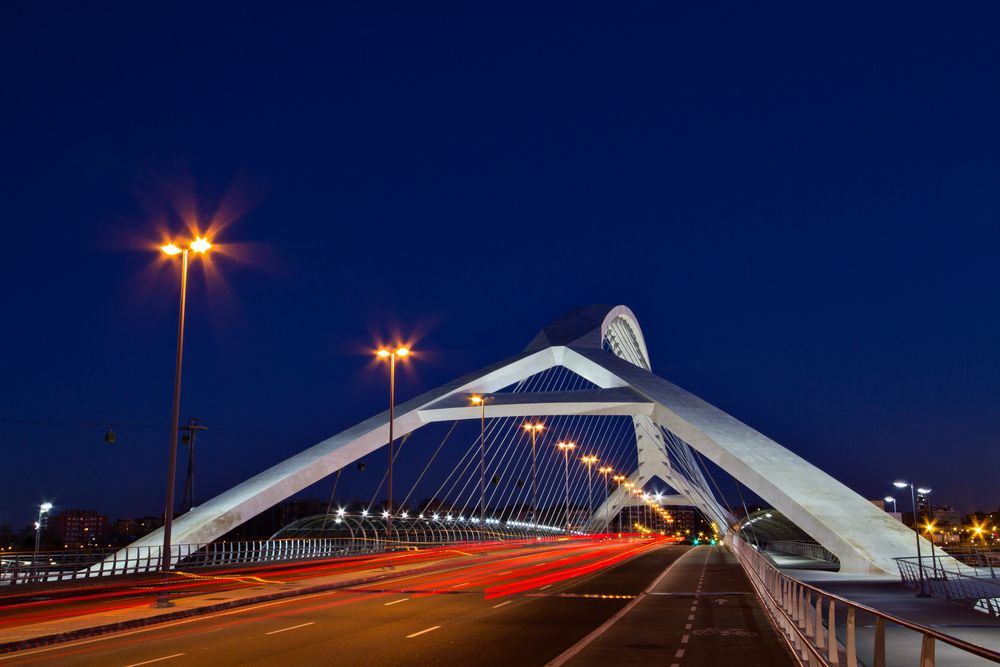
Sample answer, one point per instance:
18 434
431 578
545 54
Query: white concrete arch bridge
605 346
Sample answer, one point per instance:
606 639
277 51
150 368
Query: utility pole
192 427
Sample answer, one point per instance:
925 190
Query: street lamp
620 479
199 246
481 402
534 429
42 510
383 354
890 499
589 461
566 447
899 484
605 471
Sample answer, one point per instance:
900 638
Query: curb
84 633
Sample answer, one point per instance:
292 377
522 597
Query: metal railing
18 569
367 539
976 586
807 617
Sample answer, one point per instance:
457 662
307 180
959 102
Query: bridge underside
605 346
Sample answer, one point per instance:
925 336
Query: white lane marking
680 653
389 604
460 585
545 586
685 638
417 634
146 662
507 572
691 617
687 627
583 643
294 627
497 606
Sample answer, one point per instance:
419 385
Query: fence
808 617
976 586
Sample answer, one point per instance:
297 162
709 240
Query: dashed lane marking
147 662
423 632
389 604
497 606
293 627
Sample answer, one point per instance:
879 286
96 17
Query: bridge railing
57 566
808 617
976 586
85 564
807 549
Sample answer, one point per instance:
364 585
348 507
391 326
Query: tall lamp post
480 400
605 471
384 354
590 460
566 447
43 509
534 429
199 246
890 499
620 479
916 528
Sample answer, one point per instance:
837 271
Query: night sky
801 207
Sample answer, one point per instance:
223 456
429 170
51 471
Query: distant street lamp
916 528
42 510
199 246
605 471
566 447
400 352
890 499
481 402
589 461
534 429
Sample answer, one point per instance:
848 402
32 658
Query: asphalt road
521 607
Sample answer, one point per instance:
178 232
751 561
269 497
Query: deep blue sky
801 207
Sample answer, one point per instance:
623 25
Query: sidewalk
20 637
887 594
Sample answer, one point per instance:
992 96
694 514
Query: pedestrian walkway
700 611
889 595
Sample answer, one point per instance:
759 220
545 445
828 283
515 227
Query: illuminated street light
899 484
534 429
400 352
589 461
199 246
566 447
890 499
620 479
605 471
481 400
42 510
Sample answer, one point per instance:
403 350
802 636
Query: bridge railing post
852 646
879 648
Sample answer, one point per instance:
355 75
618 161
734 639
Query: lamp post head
566 446
889 499
923 490
200 245
45 507
476 400
171 249
533 427
900 484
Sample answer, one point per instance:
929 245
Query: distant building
79 528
